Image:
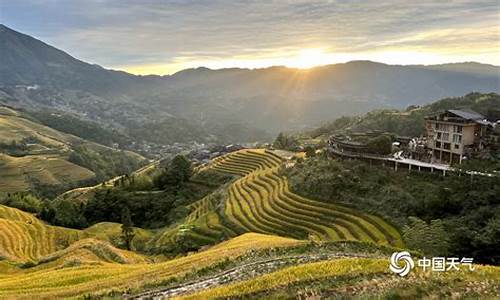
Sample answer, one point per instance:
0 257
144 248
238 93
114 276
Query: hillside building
456 134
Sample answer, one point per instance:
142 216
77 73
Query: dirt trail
242 272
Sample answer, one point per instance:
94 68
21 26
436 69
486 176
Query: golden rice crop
261 201
78 280
482 276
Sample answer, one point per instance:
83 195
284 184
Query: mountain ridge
35 75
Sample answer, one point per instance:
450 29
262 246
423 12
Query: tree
178 172
48 213
380 145
431 239
285 142
310 151
127 228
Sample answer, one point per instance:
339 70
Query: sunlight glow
309 58
312 57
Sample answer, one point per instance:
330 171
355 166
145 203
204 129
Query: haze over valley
249 149
229 105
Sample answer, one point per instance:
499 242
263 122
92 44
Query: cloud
182 33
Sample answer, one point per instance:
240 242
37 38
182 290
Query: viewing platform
392 161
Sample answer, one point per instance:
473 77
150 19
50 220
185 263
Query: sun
309 58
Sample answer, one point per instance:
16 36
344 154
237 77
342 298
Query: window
457 146
457 138
457 129
439 135
442 127
446 146
445 137
438 144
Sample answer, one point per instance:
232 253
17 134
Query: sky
162 37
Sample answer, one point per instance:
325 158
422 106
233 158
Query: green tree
127 228
310 151
69 213
48 213
285 142
176 174
23 201
431 239
380 145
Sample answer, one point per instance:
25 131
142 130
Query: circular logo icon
401 263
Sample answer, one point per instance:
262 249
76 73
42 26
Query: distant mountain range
35 75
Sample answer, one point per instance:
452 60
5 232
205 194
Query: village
451 137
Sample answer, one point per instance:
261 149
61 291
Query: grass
16 128
203 226
105 277
295 274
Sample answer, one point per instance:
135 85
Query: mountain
27 61
468 67
35 75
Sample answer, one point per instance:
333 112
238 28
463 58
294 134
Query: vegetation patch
452 215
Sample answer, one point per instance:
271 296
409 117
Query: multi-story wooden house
456 134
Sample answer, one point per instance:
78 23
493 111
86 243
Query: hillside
38 158
252 236
409 122
232 105
259 200
26 239
256 198
263 265
358 278
122 269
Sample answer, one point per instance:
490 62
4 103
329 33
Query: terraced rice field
83 194
89 251
18 172
24 238
111 232
203 226
261 201
359 278
79 280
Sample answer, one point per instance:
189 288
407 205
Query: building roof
469 114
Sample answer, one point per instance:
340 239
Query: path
239 273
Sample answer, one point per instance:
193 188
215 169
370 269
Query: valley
252 222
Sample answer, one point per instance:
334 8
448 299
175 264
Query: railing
357 154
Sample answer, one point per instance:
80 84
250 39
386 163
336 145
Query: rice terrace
259 213
249 149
